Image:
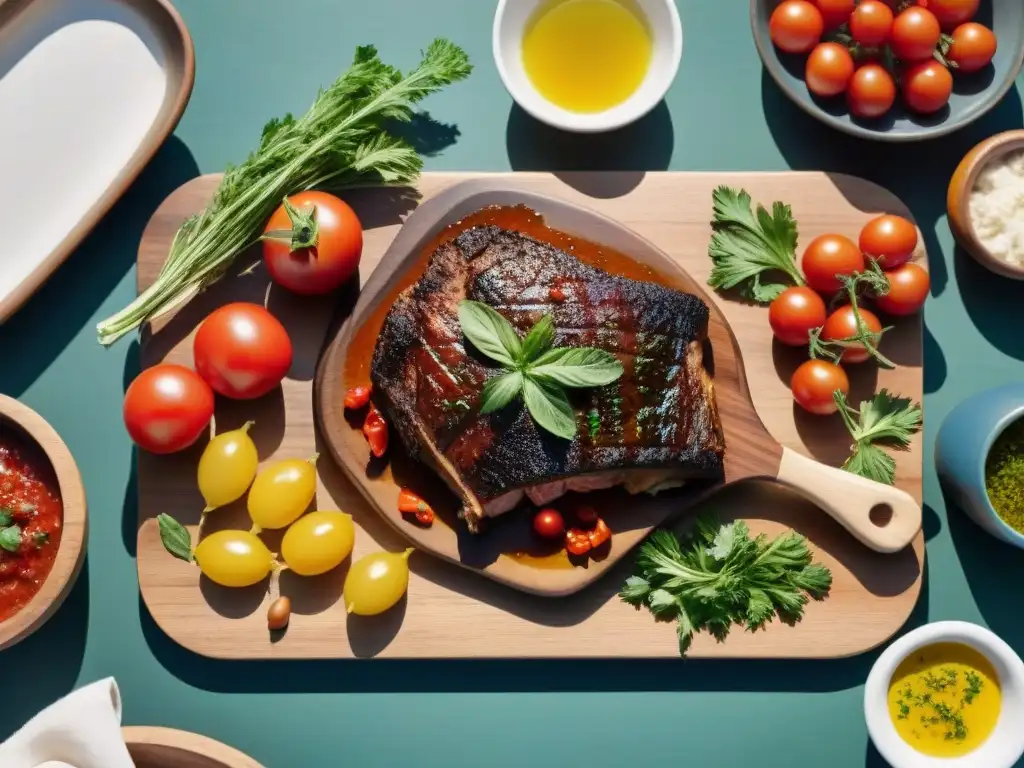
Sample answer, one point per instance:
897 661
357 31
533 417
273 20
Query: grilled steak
656 427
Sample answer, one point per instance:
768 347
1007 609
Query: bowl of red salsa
42 521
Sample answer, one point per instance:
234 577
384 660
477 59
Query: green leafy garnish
746 244
6 517
39 538
175 538
718 576
341 142
10 538
537 371
886 419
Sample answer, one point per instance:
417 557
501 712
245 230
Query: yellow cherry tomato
377 581
227 467
281 492
318 542
234 558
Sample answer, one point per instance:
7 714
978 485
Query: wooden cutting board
451 612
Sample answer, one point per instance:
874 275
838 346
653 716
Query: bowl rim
1013 536
595 122
880 728
926 132
71 551
186 743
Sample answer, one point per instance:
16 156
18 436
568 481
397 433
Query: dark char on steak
656 427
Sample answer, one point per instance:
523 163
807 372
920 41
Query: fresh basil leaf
6 516
499 391
549 407
539 339
175 538
40 538
577 367
491 333
10 538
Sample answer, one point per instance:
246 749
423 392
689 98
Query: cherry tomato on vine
549 524
827 256
829 69
167 408
871 22
951 13
890 240
312 243
796 26
814 382
842 324
795 313
835 12
973 47
926 86
871 91
242 351
915 33
908 288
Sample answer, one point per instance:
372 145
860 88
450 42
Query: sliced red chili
601 534
357 397
411 504
375 429
577 542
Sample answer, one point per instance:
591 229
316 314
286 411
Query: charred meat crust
427 377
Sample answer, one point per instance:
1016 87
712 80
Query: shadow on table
518 676
41 329
988 299
45 666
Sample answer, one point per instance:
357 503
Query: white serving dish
89 90
510 22
1006 744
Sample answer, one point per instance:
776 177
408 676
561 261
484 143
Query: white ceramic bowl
1006 744
510 22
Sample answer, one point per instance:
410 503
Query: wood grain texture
451 612
152 747
173 36
21 421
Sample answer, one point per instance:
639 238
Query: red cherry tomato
794 314
167 408
871 23
926 86
952 13
796 26
973 47
814 382
890 240
242 351
827 256
586 514
548 523
871 91
328 245
835 12
829 69
842 324
915 33
908 288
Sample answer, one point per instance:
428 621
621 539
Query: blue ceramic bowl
973 95
962 446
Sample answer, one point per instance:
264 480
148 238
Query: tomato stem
304 233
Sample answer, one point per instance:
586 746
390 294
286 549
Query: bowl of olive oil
587 66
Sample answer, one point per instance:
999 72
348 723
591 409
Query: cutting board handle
850 499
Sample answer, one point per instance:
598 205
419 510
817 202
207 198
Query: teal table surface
260 58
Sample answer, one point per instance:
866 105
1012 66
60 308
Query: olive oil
587 55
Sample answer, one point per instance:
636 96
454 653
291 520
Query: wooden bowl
958 197
973 94
152 747
33 429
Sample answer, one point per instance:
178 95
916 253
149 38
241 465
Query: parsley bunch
718 576
884 419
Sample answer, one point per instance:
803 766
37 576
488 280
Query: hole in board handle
880 515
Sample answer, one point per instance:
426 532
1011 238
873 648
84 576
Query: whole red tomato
926 86
950 13
814 382
871 91
915 33
242 351
549 524
794 314
908 288
167 408
891 240
312 243
842 324
973 47
828 256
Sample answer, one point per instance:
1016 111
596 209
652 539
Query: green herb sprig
885 419
535 369
341 142
719 576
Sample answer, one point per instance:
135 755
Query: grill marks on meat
660 415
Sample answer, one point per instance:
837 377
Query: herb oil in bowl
587 55
944 699
1004 476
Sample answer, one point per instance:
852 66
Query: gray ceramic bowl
973 95
962 446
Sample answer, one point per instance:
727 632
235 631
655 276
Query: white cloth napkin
82 730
